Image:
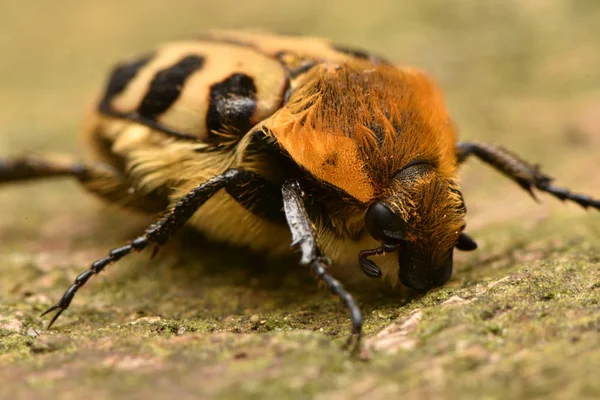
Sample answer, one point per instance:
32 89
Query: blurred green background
525 74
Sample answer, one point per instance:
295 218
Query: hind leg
38 167
98 178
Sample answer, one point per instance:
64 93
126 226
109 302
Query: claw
154 252
353 343
54 307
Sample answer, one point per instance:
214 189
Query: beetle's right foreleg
304 238
158 233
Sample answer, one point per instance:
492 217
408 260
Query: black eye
384 225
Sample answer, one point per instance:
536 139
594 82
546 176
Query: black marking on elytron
166 86
122 75
232 103
105 108
361 54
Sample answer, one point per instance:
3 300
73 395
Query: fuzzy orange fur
328 126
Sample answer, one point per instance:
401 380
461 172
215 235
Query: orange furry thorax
356 125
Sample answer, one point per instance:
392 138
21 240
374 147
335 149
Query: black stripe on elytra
105 109
166 86
122 75
231 105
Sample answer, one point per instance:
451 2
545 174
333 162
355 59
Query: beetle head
421 218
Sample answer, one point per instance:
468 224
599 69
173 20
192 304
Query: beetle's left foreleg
304 238
526 175
158 233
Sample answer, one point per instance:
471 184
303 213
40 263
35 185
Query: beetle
260 140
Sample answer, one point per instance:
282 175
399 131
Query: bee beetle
261 141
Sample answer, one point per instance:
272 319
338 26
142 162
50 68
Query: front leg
526 175
158 233
304 238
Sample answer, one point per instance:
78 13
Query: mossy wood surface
519 319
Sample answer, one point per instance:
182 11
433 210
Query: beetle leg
158 233
35 167
98 178
304 238
526 175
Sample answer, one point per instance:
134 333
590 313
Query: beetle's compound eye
384 225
